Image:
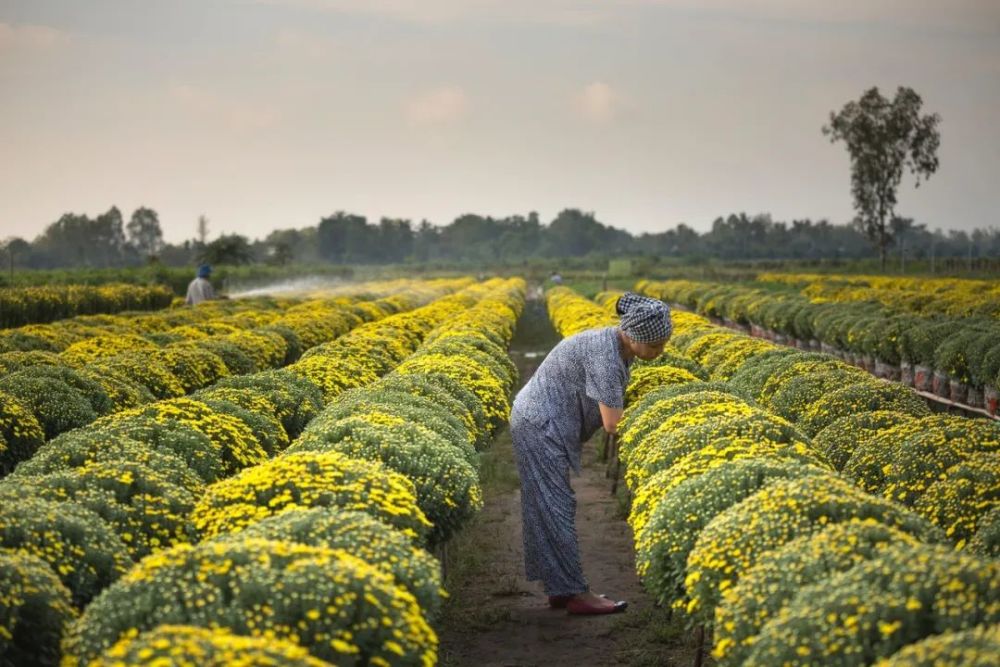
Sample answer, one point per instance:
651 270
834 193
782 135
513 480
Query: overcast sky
265 114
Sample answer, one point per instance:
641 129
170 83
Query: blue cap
204 270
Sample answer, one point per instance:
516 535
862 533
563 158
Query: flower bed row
956 297
348 577
957 358
34 305
43 394
743 523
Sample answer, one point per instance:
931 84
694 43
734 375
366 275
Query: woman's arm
610 417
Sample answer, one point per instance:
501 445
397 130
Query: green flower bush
778 513
236 360
447 392
193 367
446 483
978 647
648 378
202 455
869 396
296 400
838 440
964 496
144 509
239 446
799 393
83 447
333 604
780 574
35 609
905 594
12 362
78 545
21 434
169 645
986 541
296 481
57 406
750 378
257 415
663 546
363 536
141 368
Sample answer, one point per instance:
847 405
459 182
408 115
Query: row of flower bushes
954 357
43 394
743 523
33 305
274 550
956 297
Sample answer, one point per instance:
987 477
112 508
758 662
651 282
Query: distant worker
200 289
555 278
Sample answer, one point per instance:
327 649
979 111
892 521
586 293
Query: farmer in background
579 387
200 289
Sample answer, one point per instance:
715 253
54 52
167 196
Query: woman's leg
548 509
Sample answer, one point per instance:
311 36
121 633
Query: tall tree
227 249
883 138
144 232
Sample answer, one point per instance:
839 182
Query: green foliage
857 398
296 400
77 544
335 605
35 609
20 432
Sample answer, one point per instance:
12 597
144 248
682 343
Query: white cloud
212 107
299 43
437 107
598 102
34 37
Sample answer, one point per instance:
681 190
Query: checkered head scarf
643 319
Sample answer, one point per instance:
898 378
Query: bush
267 349
144 370
779 574
778 513
168 645
646 379
904 594
838 440
310 480
21 434
258 415
293 344
798 394
334 605
201 454
445 482
363 536
986 541
296 400
236 360
35 609
57 406
448 392
238 445
860 398
140 505
978 647
663 545
102 347
12 362
875 457
122 392
750 378
83 447
193 367
963 495
333 376
76 543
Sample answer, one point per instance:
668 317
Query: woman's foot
589 603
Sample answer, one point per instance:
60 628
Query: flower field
802 510
940 336
279 515
36 305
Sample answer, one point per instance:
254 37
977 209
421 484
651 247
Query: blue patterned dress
553 415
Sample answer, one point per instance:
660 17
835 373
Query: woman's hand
610 417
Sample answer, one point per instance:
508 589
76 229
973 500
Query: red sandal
580 607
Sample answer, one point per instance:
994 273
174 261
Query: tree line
107 240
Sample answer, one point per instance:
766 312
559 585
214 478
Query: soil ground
496 618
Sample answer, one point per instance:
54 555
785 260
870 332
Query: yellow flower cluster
27 305
189 646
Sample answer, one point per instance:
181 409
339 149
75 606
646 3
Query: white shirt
199 290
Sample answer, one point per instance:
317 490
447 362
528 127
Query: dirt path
496 618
